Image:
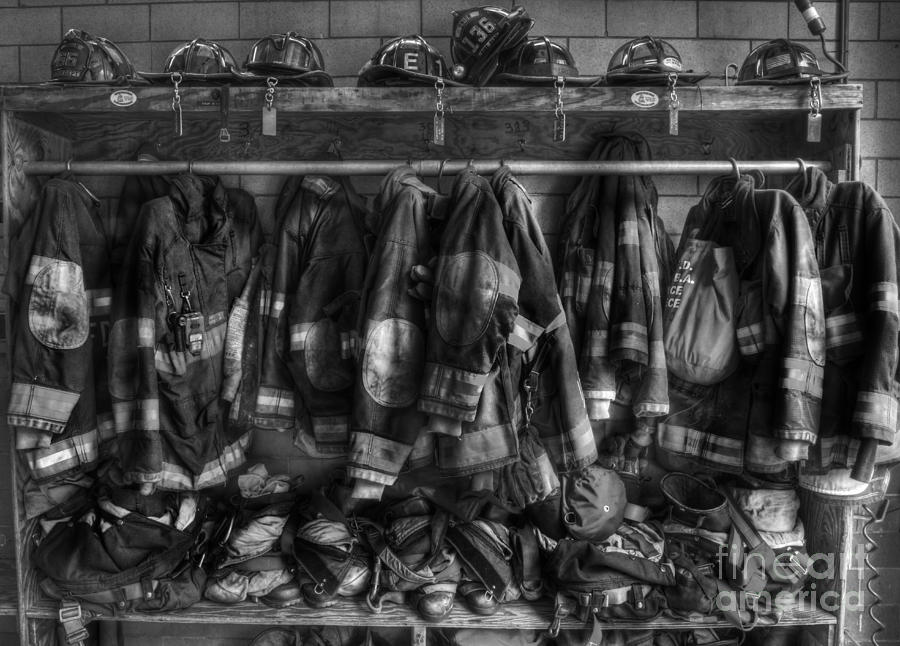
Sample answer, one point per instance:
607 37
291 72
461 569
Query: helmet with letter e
480 36
403 61
648 61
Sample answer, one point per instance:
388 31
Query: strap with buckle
71 620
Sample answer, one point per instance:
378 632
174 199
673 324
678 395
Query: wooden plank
353 612
158 99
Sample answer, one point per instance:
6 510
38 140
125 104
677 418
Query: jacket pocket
58 314
393 362
326 366
467 291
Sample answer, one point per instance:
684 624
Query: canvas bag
700 308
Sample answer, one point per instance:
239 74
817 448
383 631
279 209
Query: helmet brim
313 78
378 75
794 80
165 78
509 79
653 78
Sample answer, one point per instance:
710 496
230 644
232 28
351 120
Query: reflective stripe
274 401
214 472
524 334
213 347
597 344
136 415
805 376
842 329
40 407
560 319
453 388
376 458
146 333
883 297
277 304
76 451
575 443
696 443
106 426
299 332
100 301
628 233
331 430
751 339
608 395
265 300
37 264
509 282
567 290
876 409
651 410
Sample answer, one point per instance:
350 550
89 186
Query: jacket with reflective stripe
308 358
190 250
60 294
386 422
857 245
560 415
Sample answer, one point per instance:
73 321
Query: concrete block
211 20
356 18
662 18
34 62
9 3
874 60
888 184
592 54
118 24
879 138
894 205
868 173
568 17
886 101
309 19
864 21
138 53
50 3
724 19
711 56
9 64
31 26
890 21
345 56
437 19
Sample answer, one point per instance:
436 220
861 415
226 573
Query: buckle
71 619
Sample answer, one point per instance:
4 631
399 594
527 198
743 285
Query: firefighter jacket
766 414
386 422
307 370
554 403
189 258
60 294
857 243
612 247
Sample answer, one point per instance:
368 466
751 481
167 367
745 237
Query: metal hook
802 165
441 174
737 170
728 68
69 165
191 167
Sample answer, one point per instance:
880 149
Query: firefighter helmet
406 60
83 57
648 60
539 60
480 35
289 57
782 62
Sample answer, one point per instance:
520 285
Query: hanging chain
438 134
814 118
559 121
271 82
671 80
176 103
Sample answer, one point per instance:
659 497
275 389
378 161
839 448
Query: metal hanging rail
424 167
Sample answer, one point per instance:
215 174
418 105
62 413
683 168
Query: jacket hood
811 189
203 204
393 184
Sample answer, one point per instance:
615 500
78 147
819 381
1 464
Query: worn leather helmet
289 57
648 60
539 61
782 62
405 60
480 35
83 57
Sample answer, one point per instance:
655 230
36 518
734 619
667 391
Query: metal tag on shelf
269 121
814 127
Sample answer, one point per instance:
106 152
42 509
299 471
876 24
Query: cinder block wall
709 34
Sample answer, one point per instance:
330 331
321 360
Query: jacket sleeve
322 316
51 324
875 412
793 290
138 328
476 290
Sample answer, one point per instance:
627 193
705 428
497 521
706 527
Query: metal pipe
424 167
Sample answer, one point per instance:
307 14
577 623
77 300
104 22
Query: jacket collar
202 203
811 189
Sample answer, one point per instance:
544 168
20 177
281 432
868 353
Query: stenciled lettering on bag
681 278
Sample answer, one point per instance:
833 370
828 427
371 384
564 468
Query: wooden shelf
353 612
55 98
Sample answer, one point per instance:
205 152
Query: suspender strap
477 552
527 562
71 621
384 554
